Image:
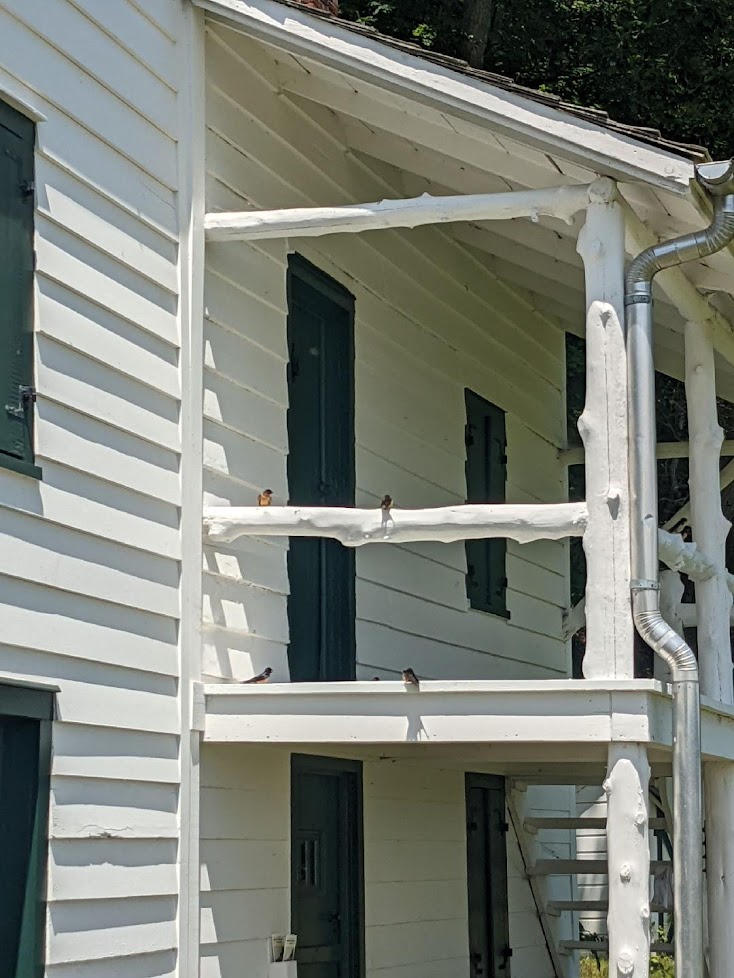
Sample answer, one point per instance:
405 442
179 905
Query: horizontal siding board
156 964
103 393
243 607
98 694
105 869
94 106
241 864
244 411
99 930
85 751
246 915
101 57
102 509
67 144
76 562
72 204
47 621
83 808
70 319
245 459
79 266
129 28
232 356
88 445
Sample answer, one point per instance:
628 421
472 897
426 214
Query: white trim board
404 74
583 712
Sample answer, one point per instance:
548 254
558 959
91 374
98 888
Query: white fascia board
401 73
565 711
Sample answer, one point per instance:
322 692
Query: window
25 758
486 473
17 140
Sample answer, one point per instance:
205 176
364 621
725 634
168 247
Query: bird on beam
265 498
410 678
386 503
261 678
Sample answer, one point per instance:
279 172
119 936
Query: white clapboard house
246 245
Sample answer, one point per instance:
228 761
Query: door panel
326 866
321 605
486 848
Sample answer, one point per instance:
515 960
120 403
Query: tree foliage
668 64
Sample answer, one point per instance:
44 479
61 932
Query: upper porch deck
516 728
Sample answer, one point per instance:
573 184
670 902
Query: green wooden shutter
486 477
17 137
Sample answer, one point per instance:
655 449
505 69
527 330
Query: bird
410 678
375 679
265 498
386 503
261 678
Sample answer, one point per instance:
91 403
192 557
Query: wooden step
570 867
603 947
579 823
596 906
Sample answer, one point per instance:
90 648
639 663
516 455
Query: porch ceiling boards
569 718
423 127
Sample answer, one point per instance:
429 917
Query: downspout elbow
662 639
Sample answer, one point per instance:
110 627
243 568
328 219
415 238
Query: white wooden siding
430 320
89 565
414 862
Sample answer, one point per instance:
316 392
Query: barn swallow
265 498
386 504
410 678
375 679
259 680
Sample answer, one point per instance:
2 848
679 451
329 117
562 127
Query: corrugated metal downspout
718 180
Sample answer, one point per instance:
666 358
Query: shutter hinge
26 396
468 435
27 188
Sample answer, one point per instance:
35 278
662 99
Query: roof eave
612 153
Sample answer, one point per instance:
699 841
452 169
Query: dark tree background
668 64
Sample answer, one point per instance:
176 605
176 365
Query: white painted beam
665 449
682 516
688 558
356 527
604 431
559 202
628 854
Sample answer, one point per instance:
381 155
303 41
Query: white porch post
628 849
713 603
603 428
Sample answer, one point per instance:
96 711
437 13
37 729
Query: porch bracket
299 222
355 527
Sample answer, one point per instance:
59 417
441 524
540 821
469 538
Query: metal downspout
718 180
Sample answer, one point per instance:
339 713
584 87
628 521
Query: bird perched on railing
265 498
386 503
261 678
410 678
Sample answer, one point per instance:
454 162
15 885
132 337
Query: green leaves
666 64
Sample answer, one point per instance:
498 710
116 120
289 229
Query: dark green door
326 866
321 605
486 850
25 756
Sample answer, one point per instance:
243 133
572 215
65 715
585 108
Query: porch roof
571 720
424 123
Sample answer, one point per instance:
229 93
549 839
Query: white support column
713 602
603 428
710 528
628 853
